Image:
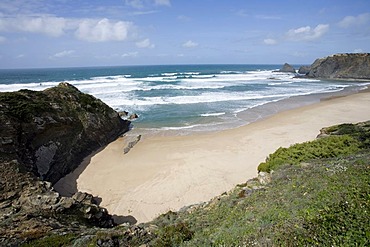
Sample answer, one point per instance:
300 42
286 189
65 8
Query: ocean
183 99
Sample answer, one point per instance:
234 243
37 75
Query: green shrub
52 241
24 103
360 131
173 235
332 146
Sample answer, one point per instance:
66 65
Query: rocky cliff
43 136
50 132
342 66
287 68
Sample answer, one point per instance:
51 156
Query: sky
81 33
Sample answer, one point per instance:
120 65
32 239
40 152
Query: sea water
184 98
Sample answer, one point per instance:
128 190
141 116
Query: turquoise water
180 97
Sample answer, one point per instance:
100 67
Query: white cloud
145 44
139 4
190 44
162 2
92 30
242 12
358 51
20 56
103 30
270 41
49 25
307 33
149 12
359 20
183 18
130 54
268 17
2 39
299 54
65 53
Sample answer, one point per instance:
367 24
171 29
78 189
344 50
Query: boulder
264 178
123 114
131 144
287 68
304 70
133 116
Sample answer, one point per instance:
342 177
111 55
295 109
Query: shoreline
164 173
248 116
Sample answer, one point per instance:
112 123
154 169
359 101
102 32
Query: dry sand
170 172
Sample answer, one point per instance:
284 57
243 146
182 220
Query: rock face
43 136
342 66
304 70
50 132
30 208
287 68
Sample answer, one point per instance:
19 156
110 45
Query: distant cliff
342 66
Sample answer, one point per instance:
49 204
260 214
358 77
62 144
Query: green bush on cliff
24 103
52 241
359 131
323 148
174 234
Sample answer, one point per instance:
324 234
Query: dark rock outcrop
342 66
30 208
304 70
133 116
131 144
44 136
50 132
287 68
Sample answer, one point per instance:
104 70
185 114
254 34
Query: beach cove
164 173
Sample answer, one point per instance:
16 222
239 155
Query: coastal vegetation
320 200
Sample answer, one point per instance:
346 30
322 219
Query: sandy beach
164 173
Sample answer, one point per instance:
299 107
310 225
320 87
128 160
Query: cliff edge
50 132
354 66
44 136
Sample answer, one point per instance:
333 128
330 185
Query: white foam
169 74
215 114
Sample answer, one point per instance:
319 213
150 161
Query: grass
324 203
52 241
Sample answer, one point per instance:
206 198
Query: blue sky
69 33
